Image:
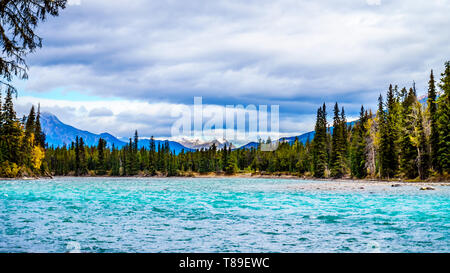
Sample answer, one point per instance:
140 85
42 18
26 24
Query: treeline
22 141
404 139
79 159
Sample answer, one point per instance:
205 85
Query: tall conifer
337 149
443 122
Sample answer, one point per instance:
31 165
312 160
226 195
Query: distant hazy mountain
423 99
174 146
197 144
303 138
249 145
58 133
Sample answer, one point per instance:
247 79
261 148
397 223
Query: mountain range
197 144
59 134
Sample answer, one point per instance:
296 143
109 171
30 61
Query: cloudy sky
117 66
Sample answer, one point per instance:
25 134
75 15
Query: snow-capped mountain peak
204 144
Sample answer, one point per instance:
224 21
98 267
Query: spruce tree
130 159
152 157
345 136
392 120
388 155
115 161
134 154
29 138
434 133
11 135
387 162
320 153
231 167
204 162
358 147
408 153
420 141
136 141
38 133
83 168
337 149
224 157
1 127
443 122
101 167
77 156
30 122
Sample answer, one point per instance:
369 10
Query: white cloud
274 49
293 53
121 118
74 2
373 2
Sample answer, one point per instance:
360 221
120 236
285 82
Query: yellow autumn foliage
9 170
37 156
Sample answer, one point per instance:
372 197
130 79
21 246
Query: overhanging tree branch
18 20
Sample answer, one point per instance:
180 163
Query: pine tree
136 141
29 138
101 168
358 147
388 155
38 133
152 157
130 159
115 161
420 142
381 124
213 158
204 162
443 124
337 149
231 167
392 120
134 154
408 153
434 134
172 165
11 134
80 157
386 143
320 153
224 157
345 137
1 128
77 156
30 122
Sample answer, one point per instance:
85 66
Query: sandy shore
362 185
343 180
345 184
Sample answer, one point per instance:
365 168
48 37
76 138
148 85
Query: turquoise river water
218 215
